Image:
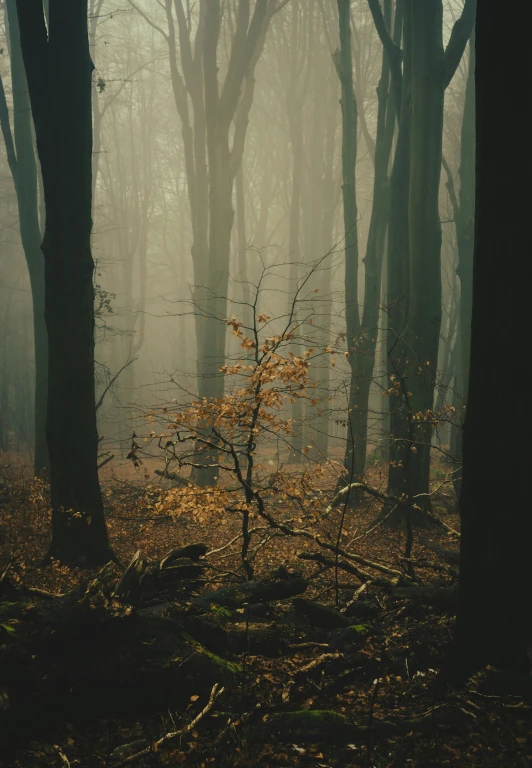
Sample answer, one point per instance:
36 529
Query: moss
360 629
229 668
7 607
221 613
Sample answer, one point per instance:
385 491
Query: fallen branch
344 492
316 665
326 545
361 575
215 693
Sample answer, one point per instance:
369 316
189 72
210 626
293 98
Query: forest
262 458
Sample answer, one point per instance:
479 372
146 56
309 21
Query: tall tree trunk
59 70
243 271
24 170
465 222
344 67
494 622
397 285
363 360
424 231
414 272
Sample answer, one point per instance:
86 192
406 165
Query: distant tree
59 71
494 624
463 207
362 321
23 166
214 113
414 293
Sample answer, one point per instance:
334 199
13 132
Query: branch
343 492
243 60
6 130
451 188
34 45
215 693
459 36
393 51
115 377
147 19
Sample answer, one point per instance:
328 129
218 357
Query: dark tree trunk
344 66
24 170
59 70
363 361
494 615
414 263
465 222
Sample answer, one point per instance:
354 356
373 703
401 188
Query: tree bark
59 70
414 268
363 360
24 170
495 578
344 67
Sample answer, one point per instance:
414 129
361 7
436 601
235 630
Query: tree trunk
425 292
495 577
25 180
59 72
363 361
414 270
397 287
465 223
344 67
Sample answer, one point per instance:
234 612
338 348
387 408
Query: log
439 597
320 616
68 649
250 592
191 551
176 574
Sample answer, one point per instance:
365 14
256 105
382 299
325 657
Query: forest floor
383 680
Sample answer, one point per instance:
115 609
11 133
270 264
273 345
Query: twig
64 759
112 381
215 693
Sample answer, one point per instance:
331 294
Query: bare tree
59 70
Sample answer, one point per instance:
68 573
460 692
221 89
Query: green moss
7 608
228 667
360 629
220 612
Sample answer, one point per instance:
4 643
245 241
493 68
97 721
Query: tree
414 242
362 323
463 207
22 164
59 71
214 116
344 66
494 622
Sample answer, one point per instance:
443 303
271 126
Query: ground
384 680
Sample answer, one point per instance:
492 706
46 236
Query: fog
284 225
